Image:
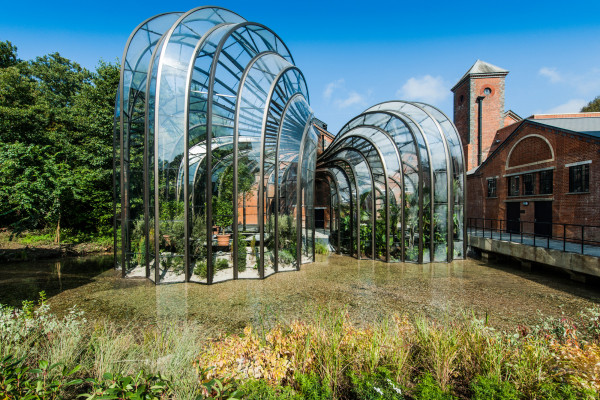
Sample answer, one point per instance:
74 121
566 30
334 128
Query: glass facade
403 168
215 161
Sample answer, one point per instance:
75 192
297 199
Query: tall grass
103 346
325 352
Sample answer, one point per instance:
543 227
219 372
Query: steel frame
280 81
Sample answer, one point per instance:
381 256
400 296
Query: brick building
534 173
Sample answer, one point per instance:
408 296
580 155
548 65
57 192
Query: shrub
321 248
285 257
492 388
200 269
221 264
311 387
18 381
428 389
260 390
375 386
141 387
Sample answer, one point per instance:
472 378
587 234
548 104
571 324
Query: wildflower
378 390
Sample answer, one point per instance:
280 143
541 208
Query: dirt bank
13 250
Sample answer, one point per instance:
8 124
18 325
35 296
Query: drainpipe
479 118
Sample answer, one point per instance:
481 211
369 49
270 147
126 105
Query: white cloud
571 106
353 98
338 95
551 73
585 83
429 89
331 87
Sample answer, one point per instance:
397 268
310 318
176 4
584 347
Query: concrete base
578 265
577 277
487 256
526 266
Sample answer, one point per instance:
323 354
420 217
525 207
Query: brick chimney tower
479 110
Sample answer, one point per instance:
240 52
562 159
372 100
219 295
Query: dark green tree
56 126
592 106
8 54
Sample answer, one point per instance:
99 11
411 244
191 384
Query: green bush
261 390
428 389
492 388
560 391
321 248
140 387
311 387
375 386
18 381
241 255
285 257
201 269
221 264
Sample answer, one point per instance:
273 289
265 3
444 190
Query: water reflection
368 289
24 280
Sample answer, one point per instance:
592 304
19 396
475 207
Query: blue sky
358 54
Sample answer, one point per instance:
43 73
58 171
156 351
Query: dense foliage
56 124
324 356
592 106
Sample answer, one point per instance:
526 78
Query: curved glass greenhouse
216 161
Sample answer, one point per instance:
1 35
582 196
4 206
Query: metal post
500 221
564 237
521 224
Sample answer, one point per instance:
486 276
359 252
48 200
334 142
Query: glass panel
133 87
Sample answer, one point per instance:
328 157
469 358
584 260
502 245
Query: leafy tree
592 106
56 127
8 55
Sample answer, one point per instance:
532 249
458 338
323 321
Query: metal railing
566 237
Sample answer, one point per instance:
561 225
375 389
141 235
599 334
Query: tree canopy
592 106
56 127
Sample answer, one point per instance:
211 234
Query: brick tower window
487 91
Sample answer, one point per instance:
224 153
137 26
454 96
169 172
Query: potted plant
223 203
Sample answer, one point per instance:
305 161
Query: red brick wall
462 113
566 208
466 114
530 150
492 111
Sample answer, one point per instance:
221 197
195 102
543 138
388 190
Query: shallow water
369 290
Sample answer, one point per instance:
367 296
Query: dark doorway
543 218
513 215
319 218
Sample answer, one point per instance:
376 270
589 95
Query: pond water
368 289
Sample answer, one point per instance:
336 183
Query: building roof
587 123
579 124
482 68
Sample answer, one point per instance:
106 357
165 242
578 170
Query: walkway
537 241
